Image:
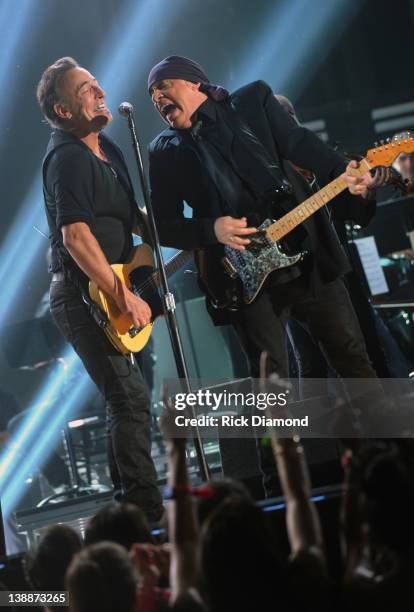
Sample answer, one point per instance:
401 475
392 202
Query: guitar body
119 328
234 278
258 260
223 291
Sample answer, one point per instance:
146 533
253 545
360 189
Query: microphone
125 109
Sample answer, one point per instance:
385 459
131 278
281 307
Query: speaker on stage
240 458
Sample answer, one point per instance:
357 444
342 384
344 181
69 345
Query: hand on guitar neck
365 184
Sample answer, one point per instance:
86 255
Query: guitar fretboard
173 265
300 213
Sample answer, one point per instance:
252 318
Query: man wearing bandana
223 154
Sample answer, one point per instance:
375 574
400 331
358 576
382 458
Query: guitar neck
306 209
172 266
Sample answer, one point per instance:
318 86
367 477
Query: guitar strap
260 170
125 180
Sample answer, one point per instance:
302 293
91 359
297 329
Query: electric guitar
247 270
140 276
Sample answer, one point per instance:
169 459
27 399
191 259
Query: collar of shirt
206 113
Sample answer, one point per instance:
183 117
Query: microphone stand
126 110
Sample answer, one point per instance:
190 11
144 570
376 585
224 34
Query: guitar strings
151 281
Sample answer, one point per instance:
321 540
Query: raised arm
302 520
182 524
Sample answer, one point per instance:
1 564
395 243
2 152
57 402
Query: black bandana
177 67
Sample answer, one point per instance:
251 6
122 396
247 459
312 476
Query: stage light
30 446
41 450
21 248
294 41
14 18
40 407
131 41
21 245
132 44
282 505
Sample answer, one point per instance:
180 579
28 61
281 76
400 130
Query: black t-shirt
80 187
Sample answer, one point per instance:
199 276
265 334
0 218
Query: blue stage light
14 18
23 245
21 248
42 404
131 42
296 37
30 446
41 450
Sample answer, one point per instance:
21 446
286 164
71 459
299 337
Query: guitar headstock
386 153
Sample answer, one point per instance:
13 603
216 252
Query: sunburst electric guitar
266 253
140 276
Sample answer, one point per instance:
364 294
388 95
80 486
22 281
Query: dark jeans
329 318
128 407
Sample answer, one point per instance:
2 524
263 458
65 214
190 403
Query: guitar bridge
229 267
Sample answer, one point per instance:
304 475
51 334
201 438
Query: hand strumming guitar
85 250
229 231
128 303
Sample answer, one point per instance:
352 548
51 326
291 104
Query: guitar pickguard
258 260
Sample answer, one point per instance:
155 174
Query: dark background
337 60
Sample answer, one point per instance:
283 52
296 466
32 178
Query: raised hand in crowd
151 562
302 521
182 523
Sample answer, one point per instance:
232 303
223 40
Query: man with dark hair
224 155
92 213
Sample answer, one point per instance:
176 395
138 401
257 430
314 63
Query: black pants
123 387
330 319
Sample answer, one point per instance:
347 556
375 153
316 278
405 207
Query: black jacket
176 175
